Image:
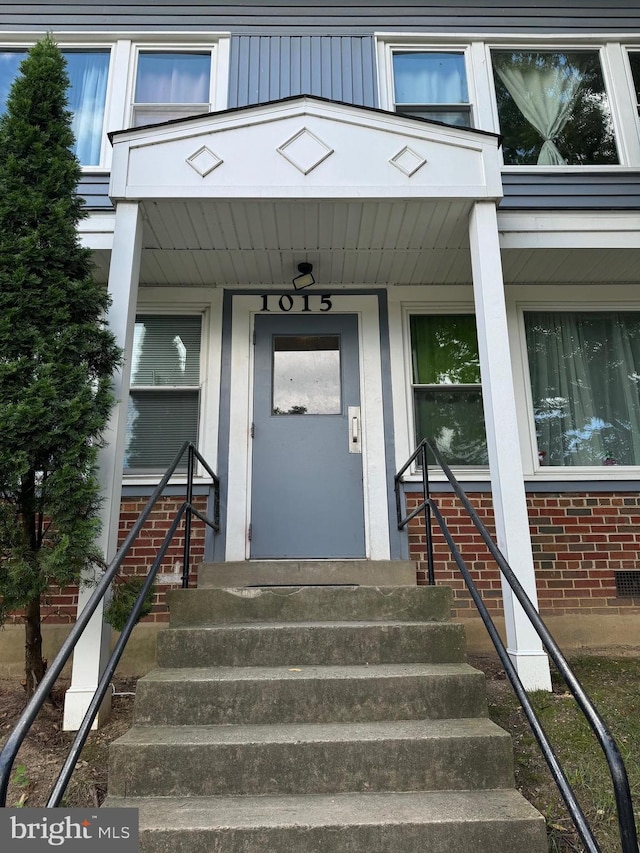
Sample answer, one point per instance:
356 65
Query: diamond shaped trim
305 151
408 161
204 161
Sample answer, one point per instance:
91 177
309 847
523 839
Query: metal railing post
431 576
187 519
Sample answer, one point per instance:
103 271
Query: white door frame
244 309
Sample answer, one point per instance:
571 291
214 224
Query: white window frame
124 49
164 47
387 48
612 97
402 380
206 303
24 44
529 300
169 389
467 107
612 50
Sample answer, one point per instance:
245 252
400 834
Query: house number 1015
304 302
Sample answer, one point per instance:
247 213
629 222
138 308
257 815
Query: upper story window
634 61
447 394
553 108
88 71
171 84
433 85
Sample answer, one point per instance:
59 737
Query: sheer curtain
544 88
585 375
173 78
88 72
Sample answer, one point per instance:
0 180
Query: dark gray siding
585 191
359 17
265 68
94 189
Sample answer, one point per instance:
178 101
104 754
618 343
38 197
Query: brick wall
60 604
578 540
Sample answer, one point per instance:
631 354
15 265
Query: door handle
355 431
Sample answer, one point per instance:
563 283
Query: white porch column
507 482
92 651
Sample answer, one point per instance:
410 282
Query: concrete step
414 755
293 604
311 643
311 694
437 822
298 572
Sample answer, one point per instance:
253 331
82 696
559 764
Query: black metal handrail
622 792
186 510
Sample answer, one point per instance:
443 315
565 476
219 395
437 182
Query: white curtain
173 78
88 72
585 378
544 93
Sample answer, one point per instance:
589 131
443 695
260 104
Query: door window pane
306 375
585 381
171 84
432 85
88 71
553 108
447 394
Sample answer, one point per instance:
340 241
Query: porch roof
242 196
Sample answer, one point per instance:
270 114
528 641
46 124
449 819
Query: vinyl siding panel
359 17
264 68
584 191
94 189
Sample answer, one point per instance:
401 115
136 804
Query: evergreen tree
56 354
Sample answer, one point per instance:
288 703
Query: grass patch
613 684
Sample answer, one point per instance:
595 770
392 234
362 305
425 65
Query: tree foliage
56 354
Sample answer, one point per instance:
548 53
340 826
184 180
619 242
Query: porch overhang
367 196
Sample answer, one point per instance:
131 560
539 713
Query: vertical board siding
329 17
266 68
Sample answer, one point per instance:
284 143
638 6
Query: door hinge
250 534
254 337
253 430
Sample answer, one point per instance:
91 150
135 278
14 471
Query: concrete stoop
337 719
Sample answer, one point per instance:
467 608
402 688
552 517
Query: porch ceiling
240 242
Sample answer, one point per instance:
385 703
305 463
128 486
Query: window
165 391
585 381
432 85
634 61
553 108
171 84
447 394
88 71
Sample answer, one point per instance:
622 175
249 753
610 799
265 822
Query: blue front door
307 495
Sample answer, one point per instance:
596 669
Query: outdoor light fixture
305 279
